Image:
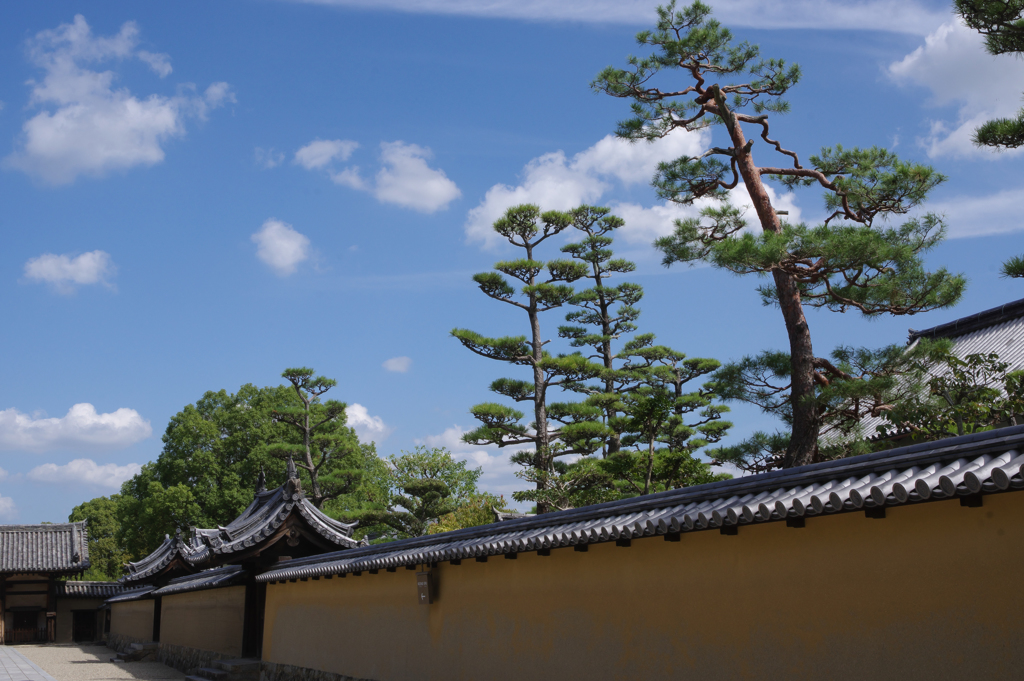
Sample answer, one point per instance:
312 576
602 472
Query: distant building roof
996 316
76 589
283 512
132 594
966 467
58 547
207 579
999 330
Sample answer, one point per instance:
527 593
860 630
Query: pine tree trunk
803 444
542 457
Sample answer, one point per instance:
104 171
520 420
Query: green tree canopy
213 453
415 490
105 554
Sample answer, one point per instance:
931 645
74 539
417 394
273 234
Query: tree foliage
105 554
958 396
414 491
477 510
1002 24
850 262
855 383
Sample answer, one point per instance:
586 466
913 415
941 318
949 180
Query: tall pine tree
557 429
849 262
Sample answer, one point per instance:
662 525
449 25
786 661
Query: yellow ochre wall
207 620
930 592
132 618
65 618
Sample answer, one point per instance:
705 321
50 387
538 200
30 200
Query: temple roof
965 468
262 522
58 547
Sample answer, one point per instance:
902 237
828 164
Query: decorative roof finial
261 481
292 474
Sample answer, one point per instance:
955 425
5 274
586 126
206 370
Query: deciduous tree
105 554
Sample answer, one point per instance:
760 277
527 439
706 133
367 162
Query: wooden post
51 610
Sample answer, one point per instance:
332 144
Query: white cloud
160 63
267 158
367 427
319 153
349 177
882 15
955 67
84 472
280 246
555 182
82 428
86 125
969 216
398 364
64 272
406 180
8 509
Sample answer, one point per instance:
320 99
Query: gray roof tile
58 547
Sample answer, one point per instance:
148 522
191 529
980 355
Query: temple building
38 602
896 564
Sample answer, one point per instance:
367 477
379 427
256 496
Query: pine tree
598 322
847 263
557 429
329 452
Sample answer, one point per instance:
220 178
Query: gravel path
92 663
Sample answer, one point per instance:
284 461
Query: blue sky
198 195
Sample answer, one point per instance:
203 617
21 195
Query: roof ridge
979 320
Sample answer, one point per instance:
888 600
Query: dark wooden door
252 626
83 625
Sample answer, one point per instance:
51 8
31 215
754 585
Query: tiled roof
191 552
60 547
132 594
266 514
966 467
207 579
261 520
995 316
73 589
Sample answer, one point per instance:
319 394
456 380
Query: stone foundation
122 642
186 660
270 671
